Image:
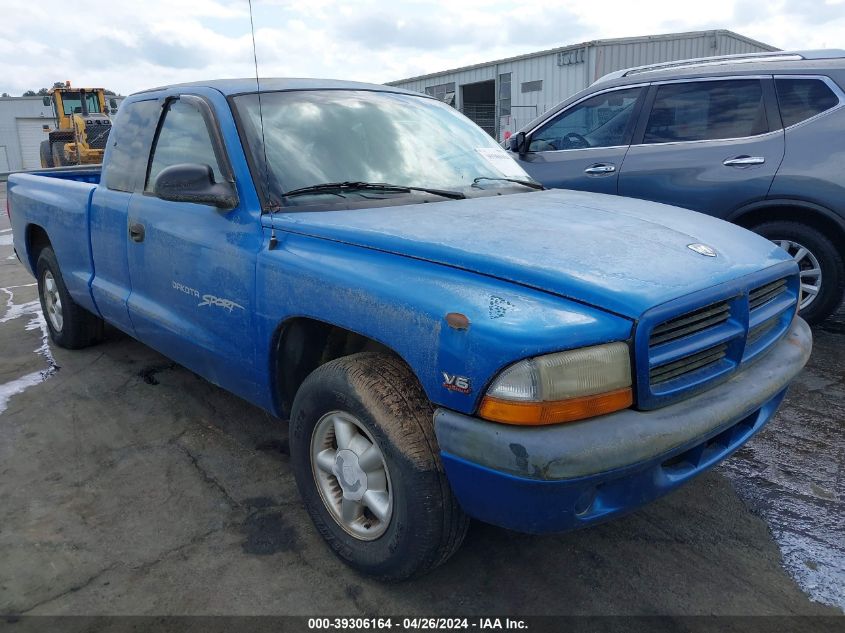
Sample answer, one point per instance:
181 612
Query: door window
183 138
801 99
128 145
707 110
600 121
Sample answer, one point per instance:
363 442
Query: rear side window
800 99
183 138
600 121
129 145
707 110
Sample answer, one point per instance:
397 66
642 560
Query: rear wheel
821 265
70 325
368 468
46 155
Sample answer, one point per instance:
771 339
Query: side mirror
519 143
113 104
46 101
192 182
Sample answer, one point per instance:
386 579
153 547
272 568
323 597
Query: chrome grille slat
688 364
764 294
759 331
690 323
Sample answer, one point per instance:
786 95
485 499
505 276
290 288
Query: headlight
561 387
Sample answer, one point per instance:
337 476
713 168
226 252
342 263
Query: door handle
744 161
600 168
136 232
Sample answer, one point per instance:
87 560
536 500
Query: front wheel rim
352 476
809 267
53 301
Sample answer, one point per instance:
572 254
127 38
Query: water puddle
36 322
791 476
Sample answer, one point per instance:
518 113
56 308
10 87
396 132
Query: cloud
130 45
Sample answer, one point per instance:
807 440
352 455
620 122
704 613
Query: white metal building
508 93
24 122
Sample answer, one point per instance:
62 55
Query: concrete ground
128 485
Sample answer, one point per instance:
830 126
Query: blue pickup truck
447 340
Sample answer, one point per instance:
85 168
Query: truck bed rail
4 175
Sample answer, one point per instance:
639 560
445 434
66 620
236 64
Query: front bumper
558 478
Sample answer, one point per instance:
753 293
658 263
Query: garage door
4 159
30 135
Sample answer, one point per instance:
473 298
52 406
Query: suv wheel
367 466
821 265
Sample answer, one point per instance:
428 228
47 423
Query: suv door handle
744 161
136 232
600 168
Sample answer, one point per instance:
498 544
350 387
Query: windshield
330 136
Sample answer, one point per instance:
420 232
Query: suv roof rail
772 56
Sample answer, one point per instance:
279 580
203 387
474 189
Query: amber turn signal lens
555 412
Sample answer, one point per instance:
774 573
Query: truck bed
59 202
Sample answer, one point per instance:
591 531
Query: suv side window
600 121
802 98
707 110
183 138
128 145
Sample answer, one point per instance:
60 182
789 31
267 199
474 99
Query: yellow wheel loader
82 126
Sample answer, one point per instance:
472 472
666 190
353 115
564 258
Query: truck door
192 265
583 146
125 165
707 145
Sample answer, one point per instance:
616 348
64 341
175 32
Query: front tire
58 152
821 264
367 466
71 326
45 154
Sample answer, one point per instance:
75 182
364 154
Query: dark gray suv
758 140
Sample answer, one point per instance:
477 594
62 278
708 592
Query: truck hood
618 254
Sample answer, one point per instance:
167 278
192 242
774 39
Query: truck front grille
771 308
685 349
761 296
691 323
693 362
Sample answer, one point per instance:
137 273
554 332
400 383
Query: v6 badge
453 382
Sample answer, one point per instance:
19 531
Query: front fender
402 303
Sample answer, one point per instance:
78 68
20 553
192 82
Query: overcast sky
130 45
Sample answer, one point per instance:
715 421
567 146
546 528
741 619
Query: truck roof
272 84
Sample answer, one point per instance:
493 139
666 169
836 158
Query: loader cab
66 102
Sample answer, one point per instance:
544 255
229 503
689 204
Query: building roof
591 43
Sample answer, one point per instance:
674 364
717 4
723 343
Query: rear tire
71 326
58 152
816 252
45 153
382 403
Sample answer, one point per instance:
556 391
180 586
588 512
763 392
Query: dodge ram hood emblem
702 249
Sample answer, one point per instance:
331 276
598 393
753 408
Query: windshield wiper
525 183
338 187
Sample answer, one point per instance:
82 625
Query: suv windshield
357 136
